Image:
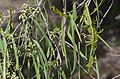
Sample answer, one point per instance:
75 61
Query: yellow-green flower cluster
27 11
2 18
12 76
55 33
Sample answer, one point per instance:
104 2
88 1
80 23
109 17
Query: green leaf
36 67
104 42
45 64
74 11
48 52
82 55
86 13
90 63
39 27
89 30
63 75
73 42
16 53
57 11
94 46
63 45
73 25
1 46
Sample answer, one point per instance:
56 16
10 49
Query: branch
106 13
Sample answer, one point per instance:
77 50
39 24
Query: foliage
51 52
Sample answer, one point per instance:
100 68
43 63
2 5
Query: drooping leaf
57 11
74 11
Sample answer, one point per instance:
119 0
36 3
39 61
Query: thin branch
81 4
106 13
17 27
69 44
85 71
42 38
116 76
47 31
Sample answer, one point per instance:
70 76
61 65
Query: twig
81 3
17 27
106 13
112 54
47 31
116 76
69 44
85 71
42 38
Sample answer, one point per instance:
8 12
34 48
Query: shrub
37 48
